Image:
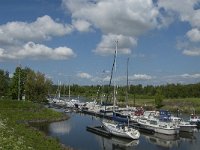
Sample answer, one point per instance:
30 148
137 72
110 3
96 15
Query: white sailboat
117 129
121 130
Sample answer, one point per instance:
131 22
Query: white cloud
82 25
42 29
84 75
194 35
107 44
192 52
194 76
140 77
127 18
36 51
186 12
15 39
183 9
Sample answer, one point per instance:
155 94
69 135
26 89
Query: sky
73 41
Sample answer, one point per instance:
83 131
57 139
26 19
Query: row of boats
162 121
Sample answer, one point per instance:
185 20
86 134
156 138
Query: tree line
34 86
24 84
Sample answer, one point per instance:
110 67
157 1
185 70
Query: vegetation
17 136
25 84
33 86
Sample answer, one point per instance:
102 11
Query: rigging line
113 66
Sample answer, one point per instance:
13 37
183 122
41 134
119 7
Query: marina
83 128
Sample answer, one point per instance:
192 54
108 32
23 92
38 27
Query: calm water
73 133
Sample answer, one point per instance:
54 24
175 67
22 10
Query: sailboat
118 129
119 116
121 130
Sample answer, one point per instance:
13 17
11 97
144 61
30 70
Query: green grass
19 136
185 105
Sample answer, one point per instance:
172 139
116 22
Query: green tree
4 83
158 99
16 84
37 86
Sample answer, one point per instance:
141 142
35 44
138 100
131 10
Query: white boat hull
187 128
159 127
167 131
121 132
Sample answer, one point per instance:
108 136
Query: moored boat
158 126
194 119
185 126
121 130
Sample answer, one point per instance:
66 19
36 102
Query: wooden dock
99 130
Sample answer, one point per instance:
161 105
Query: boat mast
69 91
127 83
19 81
115 66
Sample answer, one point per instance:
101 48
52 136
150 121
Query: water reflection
115 143
62 127
167 141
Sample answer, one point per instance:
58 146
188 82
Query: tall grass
19 136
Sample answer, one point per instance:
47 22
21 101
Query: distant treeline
25 83
139 91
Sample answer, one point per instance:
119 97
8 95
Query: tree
37 86
15 88
158 99
4 83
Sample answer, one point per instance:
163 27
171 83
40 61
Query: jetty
100 130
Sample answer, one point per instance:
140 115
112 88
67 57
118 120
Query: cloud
191 76
186 12
194 35
42 29
192 52
81 25
127 18
140 77
107 44
84 75
15 39
36 51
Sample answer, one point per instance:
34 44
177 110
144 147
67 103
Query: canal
73 133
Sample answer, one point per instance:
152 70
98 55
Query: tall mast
69 91
115 66
127 83
19 80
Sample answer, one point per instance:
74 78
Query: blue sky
74 40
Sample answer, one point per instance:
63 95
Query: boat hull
162 130
187 128
121 132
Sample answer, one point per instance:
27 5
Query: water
73 133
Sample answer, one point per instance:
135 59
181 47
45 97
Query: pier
99 130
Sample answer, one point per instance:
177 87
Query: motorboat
158 126
185 126
194 119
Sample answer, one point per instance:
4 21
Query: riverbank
185 105
15 132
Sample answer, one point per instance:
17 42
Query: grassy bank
20 136
185 105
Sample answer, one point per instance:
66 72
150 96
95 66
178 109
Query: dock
99 130
142 129
100 115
